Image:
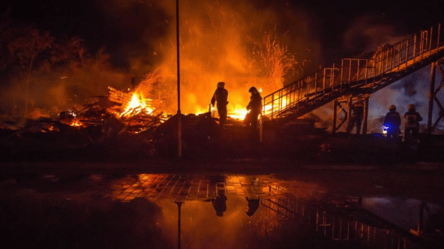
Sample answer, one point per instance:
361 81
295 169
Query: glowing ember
76 123
136 105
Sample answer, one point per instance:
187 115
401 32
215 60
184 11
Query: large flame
222 41
219 41
238 113
136 105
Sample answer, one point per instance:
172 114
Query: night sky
121 33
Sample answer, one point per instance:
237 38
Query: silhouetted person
221 96
392 122
253 205
220 203
356 116
412 118
255 108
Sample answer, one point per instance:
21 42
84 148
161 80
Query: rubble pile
126 126
108 129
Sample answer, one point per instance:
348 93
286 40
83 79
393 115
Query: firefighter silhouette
356 116
254 107
392 122
220 96
412 118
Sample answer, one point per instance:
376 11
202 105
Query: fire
76 123
277 104
217 43
238 113
136 105
221 43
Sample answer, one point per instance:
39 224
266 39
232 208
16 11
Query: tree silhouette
29 49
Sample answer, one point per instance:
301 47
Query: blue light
385 128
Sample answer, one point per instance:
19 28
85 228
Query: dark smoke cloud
367 33
133 26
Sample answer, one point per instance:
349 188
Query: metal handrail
330 83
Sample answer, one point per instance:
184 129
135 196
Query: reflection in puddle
184 187
216 211
404 213
261 212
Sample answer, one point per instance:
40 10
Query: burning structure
238 43
231 42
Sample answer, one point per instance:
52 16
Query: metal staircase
354 76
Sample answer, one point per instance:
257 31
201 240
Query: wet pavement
305 210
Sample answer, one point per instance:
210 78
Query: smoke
54 89
414 89
227 41
243 43
367 33
238 42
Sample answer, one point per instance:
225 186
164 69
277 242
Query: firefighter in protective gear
220 96
356 116
255 108
412 118
392 122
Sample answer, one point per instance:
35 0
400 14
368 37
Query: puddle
216 211
404 213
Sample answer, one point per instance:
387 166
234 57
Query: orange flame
136 105
75 123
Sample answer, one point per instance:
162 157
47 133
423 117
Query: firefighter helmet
411 107
220 84
253 90
392 108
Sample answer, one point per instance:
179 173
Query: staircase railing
330 83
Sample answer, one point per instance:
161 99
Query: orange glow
136 105
218 43
76 123
275 106
221 43
238 113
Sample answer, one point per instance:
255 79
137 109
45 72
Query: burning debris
120 121
135 111
219 43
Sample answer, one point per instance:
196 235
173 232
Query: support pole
335 104
431 97
420 227
179 122
350 105
261 128
364 127
179 206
